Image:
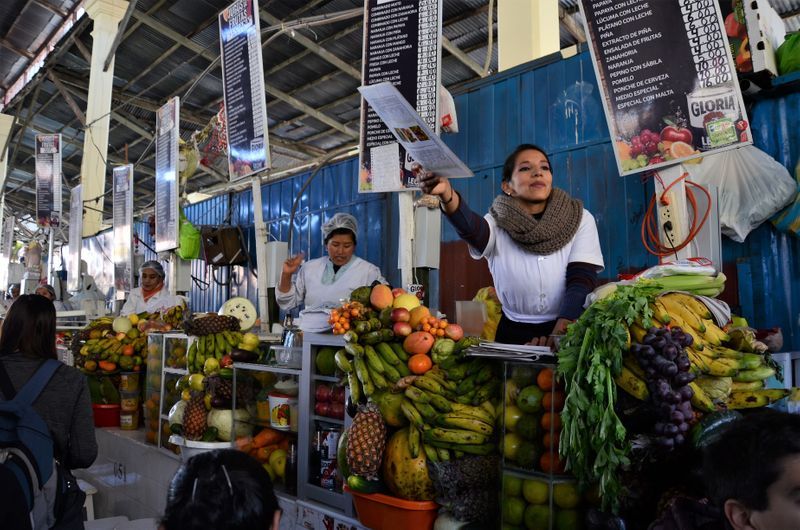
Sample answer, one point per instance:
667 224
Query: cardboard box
749 36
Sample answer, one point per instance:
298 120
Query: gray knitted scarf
560 221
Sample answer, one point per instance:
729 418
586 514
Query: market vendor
151 295
49 292
331 278
541 245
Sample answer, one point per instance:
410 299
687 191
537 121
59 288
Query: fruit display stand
536 492
308 417
166 365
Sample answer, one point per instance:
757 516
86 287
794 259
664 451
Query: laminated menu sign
75 238
122 245
401 46
243 89
426 149
48 179
668 80
167 130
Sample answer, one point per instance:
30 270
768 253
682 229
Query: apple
454 332
336 410
400 314
337 394
323 393
226 361
402 329
322 408
397 291
673 133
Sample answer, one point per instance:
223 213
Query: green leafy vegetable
593 440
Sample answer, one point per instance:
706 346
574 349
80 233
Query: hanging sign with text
167 131
75 238
243 89
122 246
668 80
402 45
48 179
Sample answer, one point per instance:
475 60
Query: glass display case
166 379
296 417
536 491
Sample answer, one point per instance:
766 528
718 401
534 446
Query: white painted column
526 30
6 122
106 15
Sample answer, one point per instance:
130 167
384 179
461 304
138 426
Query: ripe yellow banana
660 313
631 384
742 386
749 399
700 399
692 303
637 332
714 334
632 364
676 308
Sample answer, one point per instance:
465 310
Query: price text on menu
668 81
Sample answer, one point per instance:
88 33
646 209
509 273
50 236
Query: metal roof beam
50 7
67 97
571 25
19 51
468 61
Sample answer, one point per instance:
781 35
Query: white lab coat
160 302
308 288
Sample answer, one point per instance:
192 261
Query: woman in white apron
151 295
329 279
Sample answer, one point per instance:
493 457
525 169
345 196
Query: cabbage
717 388
223 420
176 413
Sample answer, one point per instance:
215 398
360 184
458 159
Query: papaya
405 476
389 404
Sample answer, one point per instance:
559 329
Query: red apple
400 314
337 395
673 133
402 329
322 408
226 361
323 393
397 291
336 410
454 331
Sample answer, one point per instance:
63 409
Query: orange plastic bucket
384 512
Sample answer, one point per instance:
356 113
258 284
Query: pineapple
366 441
194 416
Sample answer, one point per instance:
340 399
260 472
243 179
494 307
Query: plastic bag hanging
752 186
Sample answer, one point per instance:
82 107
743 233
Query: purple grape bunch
666 365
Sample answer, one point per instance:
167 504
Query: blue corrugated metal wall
556 104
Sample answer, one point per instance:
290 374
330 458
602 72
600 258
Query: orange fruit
551 419
419 363
551 463
624 150
553 401
127 349
551 441
681 149
545 379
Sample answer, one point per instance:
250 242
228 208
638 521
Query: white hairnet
153 266
340 220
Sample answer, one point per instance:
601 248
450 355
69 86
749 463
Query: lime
511 443
528 427
512 486
512 415
535 491
529 399
528 454
565 495
513 510
568 520
537 517
326 365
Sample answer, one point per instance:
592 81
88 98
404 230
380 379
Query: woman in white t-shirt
541 245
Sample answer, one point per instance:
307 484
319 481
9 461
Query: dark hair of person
224 489
30 327
511 160
748 458
341 232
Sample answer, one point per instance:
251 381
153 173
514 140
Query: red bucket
106 415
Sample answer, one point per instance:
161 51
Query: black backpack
27 463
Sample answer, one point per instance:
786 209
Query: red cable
650 224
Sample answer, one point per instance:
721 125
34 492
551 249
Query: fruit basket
384 512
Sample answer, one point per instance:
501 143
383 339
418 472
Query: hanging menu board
402 45
668 80
48 179
243 89
6 247
167 130
122 246
75 238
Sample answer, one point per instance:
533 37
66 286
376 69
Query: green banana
399 351
756 374
427 412
456 436
429 384
479 413
414 441
373 359
356 350
443 454
412 414
387 353
391 372
342 362
440 403
363 375
402 369
484 374
430 452
355 386
417 395
469 423
440 378
378 380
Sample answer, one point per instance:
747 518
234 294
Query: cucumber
362 485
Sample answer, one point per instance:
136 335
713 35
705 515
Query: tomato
672 133
545 379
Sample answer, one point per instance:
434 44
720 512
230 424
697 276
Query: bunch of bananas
174 316
207 346
106 351
370 361
733 378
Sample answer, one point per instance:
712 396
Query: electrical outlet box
673 217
